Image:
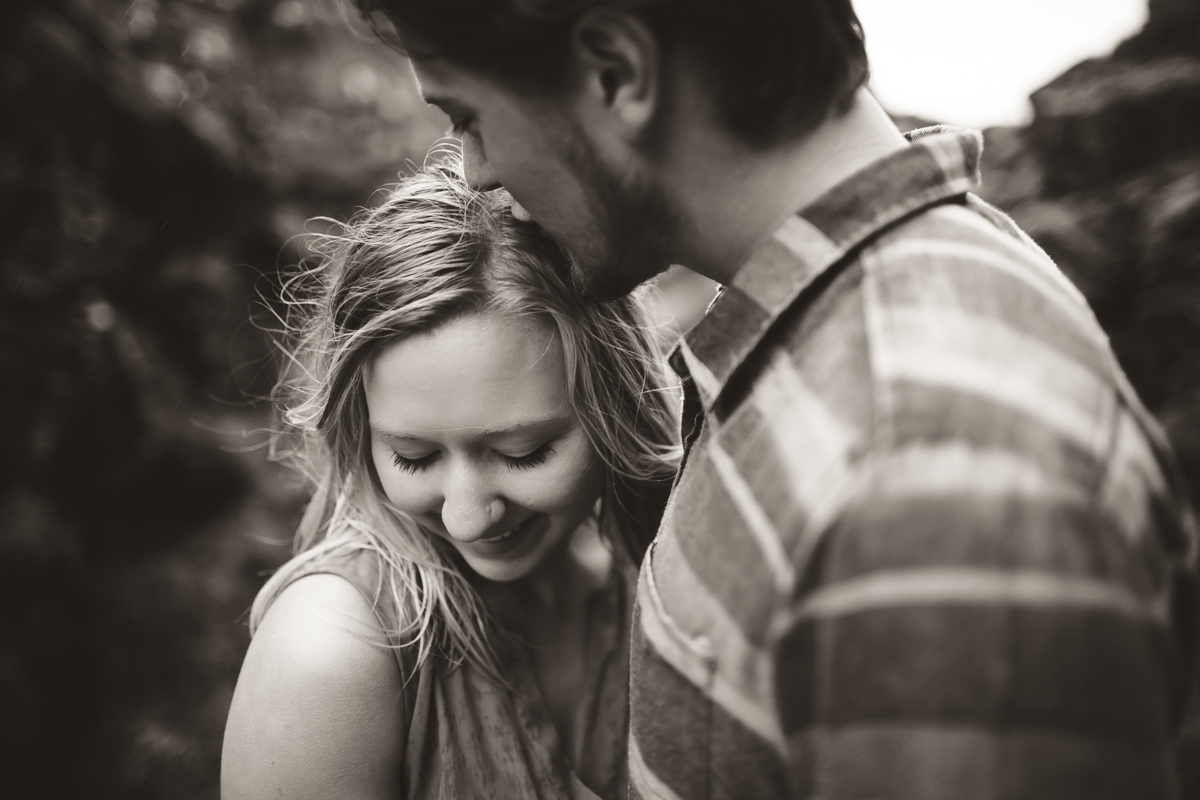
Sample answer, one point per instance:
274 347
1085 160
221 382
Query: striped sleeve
972 630
987 612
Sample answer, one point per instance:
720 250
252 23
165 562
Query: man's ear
618 56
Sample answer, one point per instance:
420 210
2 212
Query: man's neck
742 195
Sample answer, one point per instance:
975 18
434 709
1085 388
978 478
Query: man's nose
476 169
470 507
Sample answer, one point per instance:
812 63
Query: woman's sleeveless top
469 738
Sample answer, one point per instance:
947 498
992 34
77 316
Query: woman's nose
470 508
476 170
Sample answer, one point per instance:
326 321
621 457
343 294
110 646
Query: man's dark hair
776 67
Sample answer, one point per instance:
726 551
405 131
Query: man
926 542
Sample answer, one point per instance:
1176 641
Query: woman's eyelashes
533 458
412 465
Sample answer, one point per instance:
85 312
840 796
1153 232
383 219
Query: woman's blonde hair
433 251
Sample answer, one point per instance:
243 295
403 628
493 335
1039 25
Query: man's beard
637 229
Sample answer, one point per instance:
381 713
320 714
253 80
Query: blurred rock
1173 27
1107 179
1106 117
1169 224
1012 172
1079 235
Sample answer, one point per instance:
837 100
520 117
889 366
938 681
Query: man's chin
612 267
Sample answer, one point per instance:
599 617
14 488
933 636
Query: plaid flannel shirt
926 542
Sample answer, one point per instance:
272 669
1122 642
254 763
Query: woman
490 455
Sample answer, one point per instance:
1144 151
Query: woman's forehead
484 372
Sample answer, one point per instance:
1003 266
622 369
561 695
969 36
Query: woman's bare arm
317 712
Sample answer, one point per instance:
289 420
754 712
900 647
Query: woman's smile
514 542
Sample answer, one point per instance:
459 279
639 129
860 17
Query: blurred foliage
156 161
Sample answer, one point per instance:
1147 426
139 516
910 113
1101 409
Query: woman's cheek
388 482
409 493
400 489
553 489
580 479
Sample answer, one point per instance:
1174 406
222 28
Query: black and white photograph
600 399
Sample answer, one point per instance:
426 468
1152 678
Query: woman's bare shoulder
317 711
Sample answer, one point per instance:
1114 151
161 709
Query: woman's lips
515 541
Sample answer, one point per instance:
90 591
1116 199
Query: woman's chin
507 570
500 573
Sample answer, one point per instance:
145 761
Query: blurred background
158 159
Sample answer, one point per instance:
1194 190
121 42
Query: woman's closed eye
534 458
413 465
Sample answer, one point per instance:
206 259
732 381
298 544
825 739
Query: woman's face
473 436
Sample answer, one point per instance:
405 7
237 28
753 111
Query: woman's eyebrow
520 427
507 430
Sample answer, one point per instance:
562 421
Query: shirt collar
941 163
